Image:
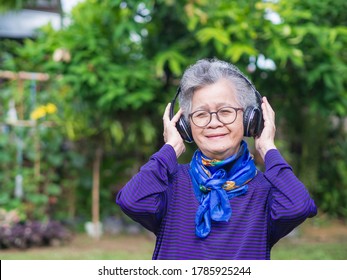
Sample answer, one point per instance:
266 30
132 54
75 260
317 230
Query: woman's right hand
171 135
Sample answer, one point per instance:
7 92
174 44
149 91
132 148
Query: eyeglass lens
226 115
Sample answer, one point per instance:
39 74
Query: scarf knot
215 182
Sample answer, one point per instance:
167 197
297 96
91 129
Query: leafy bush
32 234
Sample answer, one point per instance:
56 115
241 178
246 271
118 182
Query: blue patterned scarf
217 181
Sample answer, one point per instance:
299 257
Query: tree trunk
96 191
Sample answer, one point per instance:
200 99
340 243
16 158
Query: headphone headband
257 94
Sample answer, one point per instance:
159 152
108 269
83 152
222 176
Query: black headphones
253 122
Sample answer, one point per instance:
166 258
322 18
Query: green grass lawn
82 247
311 242
283 251
313 251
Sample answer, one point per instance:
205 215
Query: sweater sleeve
290 202
144 197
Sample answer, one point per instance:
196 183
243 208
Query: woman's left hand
266 141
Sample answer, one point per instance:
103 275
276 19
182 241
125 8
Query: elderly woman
219 206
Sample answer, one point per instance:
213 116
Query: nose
214 121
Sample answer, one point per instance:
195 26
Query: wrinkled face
217 140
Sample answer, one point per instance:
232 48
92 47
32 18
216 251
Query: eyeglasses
226 115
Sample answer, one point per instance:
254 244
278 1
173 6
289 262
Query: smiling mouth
215 136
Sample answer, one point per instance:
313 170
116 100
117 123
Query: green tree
106 90
306 83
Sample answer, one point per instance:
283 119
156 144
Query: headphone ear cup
252 119
184 130
182 126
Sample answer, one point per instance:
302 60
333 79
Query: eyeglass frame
216 112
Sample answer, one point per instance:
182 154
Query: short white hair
209 71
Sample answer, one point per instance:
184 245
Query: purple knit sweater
161 198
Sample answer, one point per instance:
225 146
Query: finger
265 108
268 112
268 106
166 116
177 116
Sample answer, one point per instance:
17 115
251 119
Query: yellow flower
41 111
38 113
51 108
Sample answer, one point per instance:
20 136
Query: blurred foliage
117 63
30 234
16 5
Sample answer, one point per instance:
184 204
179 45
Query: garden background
81 110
